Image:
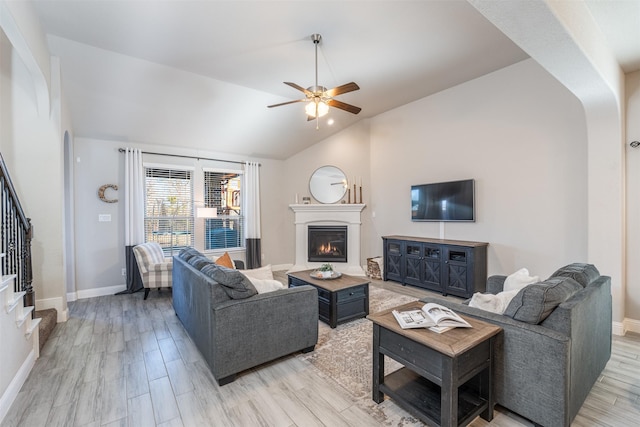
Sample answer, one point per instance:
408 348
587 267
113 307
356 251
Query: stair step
21 317
34 325
6 280
13 303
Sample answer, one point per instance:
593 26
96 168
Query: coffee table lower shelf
421 397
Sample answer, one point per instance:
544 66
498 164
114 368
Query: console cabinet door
393 265
458 277
413 268
433 266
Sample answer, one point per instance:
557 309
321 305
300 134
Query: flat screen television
443 201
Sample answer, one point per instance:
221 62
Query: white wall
632 302
347 150
99 246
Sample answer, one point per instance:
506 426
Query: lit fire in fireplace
327 249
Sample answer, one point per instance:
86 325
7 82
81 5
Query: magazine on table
436 317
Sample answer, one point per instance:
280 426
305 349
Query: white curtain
133 214
251 207
133 197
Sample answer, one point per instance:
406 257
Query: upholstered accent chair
155 269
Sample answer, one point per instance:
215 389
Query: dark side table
446 379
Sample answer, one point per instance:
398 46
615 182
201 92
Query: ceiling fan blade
344 106
349 87
300 88
286 103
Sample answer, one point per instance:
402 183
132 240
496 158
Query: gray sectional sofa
233 327
547 362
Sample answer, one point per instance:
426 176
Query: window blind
222 190
169 208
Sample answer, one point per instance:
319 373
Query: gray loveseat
237 334
545 371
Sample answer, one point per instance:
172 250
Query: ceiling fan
319 98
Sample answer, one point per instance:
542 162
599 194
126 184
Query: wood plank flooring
122 361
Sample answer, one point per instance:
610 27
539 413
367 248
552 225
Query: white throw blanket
512 285
493 303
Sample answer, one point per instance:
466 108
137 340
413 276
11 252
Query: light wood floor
122 361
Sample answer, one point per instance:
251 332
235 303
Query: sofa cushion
234 283
263 273
188 253
533 303
199 261
266 285
581 273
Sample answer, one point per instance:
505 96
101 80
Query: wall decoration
101 191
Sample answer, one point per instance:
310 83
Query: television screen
443 201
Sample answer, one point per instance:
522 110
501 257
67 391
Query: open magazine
436 317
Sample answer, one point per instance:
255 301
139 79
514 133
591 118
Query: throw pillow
581 273
234 283
264 273
225 261
535 302
519 280
266 285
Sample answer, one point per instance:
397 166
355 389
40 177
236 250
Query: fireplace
327 243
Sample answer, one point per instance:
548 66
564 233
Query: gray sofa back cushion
188 253
199 261
533 303
581 273
234 283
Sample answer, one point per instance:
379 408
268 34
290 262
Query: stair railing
15 234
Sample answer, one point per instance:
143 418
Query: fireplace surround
330 215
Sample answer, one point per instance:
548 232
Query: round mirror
328 184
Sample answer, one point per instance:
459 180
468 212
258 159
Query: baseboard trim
99 292
627 325
11 393
618 328
57 303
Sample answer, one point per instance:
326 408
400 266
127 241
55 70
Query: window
168 216
222 190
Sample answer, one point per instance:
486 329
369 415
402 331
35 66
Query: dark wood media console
451 267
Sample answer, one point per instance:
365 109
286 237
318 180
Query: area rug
345 353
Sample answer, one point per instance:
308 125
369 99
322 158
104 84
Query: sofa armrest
495 284
497 319
155 268
239 264
248 332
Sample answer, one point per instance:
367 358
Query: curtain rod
122 150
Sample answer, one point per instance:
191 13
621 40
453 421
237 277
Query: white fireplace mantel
329 214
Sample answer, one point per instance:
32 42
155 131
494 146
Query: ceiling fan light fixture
318 106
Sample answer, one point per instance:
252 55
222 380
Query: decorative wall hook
101 191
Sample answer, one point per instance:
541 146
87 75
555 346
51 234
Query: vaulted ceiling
200 74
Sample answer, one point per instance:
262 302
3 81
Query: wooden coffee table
339 300
447 377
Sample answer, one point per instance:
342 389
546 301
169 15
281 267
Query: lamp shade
310 108
207 212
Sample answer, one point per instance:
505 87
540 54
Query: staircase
20 346
14 306
16 290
